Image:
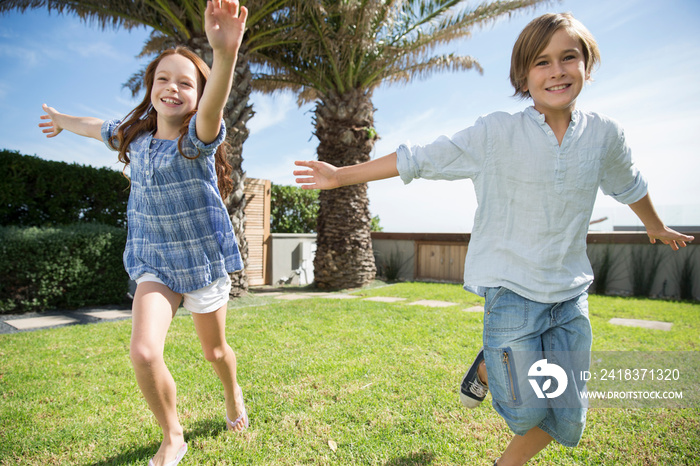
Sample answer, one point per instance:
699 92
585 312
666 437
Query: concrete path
53 319
652 324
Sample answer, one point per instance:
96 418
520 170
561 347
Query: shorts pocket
504 312
502 376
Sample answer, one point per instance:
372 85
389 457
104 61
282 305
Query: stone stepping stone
651 324
292 296
432 303
479 309
334 296
385 299
118 314
39 322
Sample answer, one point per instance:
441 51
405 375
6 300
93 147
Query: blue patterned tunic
179 228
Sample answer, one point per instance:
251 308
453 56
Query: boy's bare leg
483 375
523 447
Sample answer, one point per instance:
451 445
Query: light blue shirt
179 228
535 198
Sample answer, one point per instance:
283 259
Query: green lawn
326 381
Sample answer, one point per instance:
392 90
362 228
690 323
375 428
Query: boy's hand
320 175
671 237
644 209
52 129
225 25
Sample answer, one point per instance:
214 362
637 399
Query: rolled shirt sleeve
620 179
455 158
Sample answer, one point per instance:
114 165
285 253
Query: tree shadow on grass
209 428
412 459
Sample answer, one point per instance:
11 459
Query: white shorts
201 301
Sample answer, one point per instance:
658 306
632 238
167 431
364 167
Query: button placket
152 150
562 159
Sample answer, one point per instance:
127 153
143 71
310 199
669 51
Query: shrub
37 192
602 264
685 272
644 265
68 267
293 210
390 268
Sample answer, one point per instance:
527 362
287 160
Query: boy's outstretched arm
83 126
321 175
224 23
644 209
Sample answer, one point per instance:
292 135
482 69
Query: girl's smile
171 101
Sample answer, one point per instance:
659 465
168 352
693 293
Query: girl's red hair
144 118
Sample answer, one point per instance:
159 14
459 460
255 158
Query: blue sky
648 80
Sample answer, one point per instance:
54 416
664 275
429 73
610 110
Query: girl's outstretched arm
83 126
224 23
644 209
321 175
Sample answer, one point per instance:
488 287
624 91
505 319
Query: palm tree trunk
344 258
237 112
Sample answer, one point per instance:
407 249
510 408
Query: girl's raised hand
51 128
320 175
224 23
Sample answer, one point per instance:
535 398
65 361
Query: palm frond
342 45
424 70
86 11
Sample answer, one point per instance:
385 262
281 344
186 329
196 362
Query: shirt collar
539 117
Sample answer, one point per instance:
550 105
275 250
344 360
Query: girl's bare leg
211 329
153 310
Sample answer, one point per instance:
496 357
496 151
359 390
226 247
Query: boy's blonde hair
535 38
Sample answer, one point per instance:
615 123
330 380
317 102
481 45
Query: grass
326 381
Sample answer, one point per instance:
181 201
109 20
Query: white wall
293 258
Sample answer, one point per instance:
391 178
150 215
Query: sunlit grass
326 381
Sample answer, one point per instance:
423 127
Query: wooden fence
257 230
626 261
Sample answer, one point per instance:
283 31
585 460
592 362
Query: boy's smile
557 76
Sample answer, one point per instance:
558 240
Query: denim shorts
533 353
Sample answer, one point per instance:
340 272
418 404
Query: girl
536 174
181 245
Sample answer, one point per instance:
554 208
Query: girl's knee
144 355
215 354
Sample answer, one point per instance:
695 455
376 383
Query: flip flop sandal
180 454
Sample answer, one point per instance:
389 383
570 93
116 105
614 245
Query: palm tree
336 55
182 22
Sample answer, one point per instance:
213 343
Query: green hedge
37 192
61 268
293 210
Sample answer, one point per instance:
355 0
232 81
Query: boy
536 174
